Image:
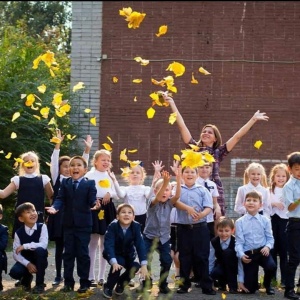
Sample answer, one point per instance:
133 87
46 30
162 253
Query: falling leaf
115 79
150 113
176 157
23 96
55 140
107 146
177 68
101 214
1 151
125 172
37 117
48 164
135 99
123 155
258 144
132 151
172 118
193 79
194 147
134 18
208 157
42 88
162 30
78 86
223 296
105 183
137 80
45 112
70 137
109 138
29 100
13 135
8 155
87 110
203 71
52 122
93 121
144 62
134 163
15 116
28 163
192 159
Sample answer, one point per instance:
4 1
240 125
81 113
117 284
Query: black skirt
103 217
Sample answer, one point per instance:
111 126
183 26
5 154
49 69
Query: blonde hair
143 171
37 161
254 166
273 172
99 153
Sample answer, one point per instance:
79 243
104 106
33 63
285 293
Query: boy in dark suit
76 197
3 245
123 239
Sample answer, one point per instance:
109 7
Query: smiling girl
31 186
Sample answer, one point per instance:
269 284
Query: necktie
206 185
75 182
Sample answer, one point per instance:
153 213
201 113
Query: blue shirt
197 197
291 192
252 232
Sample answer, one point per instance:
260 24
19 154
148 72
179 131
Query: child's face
166 194
255 176
252 205
189 176
77 169
29 164
280 178
204 171
295 170
103 162
125 216
29 217
225 233
64 168
135 176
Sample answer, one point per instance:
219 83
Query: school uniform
3 256
122 246
252 234
76 204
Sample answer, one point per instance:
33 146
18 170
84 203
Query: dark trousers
225 269
130 266
164 251
19 271
76 242
293 233
59 248
280 245
193 247
251 270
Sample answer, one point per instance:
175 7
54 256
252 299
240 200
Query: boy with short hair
3 245
254 240
123 240
291 195
223 262
30 249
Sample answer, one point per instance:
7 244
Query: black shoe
107 293
1 287
25 282
67 289
83 289
164 289
38 289
208 292
291 295
182 290
270 291
101 282
57 281
18 283
119 289
233 291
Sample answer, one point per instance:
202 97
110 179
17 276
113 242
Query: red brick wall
252 50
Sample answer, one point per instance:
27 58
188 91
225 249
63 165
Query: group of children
181 220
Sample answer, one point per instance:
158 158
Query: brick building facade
251 49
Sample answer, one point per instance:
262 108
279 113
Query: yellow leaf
70 137
23 96
105 183
37 117
125 172
87 110
161 83
8 155
29 100
193 79
208 157
177 68
258 144
1 151
115 79
101 214
45 112
19 160
42 88
137 80
150 113
52 122
223 296
13 135
134 163
78 86
109 138
144 62
172 118
93 121
194 147
176 157
123 155
162 30
28 163
203 71
135 99
55 140
15 116
132 151
48 164
107 146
